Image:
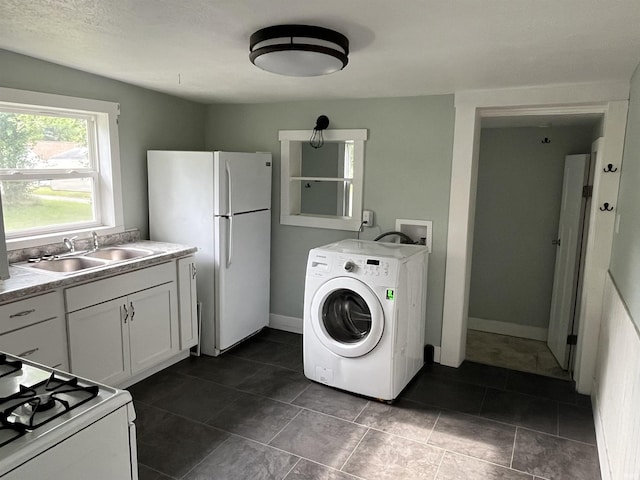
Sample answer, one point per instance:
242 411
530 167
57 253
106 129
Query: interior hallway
522 354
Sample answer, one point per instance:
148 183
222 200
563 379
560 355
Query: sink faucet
96 246
70 243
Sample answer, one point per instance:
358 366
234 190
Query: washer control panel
376 267
323 265
365 266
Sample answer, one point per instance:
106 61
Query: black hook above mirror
610 168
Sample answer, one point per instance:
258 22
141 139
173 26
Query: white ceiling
198 49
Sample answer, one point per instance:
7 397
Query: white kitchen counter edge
24 282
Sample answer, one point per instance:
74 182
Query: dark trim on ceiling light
287 33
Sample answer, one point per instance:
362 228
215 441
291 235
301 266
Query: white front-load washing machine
364 316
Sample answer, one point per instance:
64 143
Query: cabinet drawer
100 291
23 313
44 342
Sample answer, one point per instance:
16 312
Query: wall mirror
322 187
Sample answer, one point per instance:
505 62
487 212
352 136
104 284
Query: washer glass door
347 317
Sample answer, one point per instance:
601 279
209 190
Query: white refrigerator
221 203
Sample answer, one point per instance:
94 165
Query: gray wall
320 198
148 120
517 213
407 175
625 257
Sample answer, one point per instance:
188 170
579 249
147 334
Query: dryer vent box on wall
420 231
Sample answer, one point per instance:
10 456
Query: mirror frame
290 172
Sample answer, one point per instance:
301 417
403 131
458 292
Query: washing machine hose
403 236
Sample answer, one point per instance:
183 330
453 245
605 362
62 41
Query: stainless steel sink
68 264
119 253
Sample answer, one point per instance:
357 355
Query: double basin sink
74 262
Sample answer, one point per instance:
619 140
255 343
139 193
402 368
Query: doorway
610 100
521 192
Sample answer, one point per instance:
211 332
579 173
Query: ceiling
198 49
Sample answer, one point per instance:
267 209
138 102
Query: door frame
610 100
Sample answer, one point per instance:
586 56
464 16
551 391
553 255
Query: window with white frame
59 167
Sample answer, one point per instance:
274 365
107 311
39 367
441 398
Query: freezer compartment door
242 276
243 182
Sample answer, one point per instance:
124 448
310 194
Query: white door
153 322
242 182
567 257
99 342
242 275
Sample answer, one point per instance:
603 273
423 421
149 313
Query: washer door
347 317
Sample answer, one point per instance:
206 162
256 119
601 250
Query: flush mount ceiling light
299 50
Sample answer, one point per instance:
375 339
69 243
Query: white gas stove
54 425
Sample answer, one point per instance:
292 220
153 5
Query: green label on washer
389 294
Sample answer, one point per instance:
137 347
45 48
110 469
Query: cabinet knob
126 312
133 312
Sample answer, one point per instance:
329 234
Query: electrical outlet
367 218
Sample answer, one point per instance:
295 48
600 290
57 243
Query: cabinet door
187 302
44 342
153 326
99 342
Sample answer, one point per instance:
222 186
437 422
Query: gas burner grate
23 392
46 401
8 433
7 367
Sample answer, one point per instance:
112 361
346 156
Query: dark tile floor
251 414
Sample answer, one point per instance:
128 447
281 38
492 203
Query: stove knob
349 266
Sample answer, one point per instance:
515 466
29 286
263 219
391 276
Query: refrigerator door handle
230 241
229 182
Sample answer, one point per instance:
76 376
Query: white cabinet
99 341
153 329
188 303
35 329
123 325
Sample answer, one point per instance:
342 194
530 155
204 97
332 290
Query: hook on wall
610 168
545 140
605 207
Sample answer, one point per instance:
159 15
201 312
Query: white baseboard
288 324
507 328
